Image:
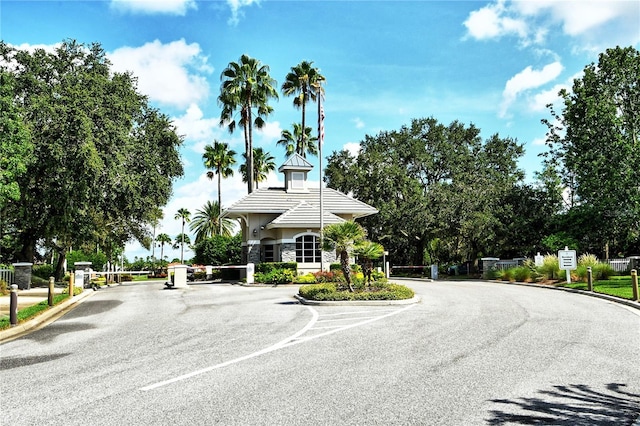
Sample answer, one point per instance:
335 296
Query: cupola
295 169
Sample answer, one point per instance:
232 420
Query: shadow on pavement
23 361
571 405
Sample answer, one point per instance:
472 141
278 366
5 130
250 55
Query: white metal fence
6 275
618 265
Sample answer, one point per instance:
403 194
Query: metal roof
278 201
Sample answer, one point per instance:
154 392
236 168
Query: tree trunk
346 270
62 258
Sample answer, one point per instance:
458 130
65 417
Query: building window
268 253
308 249
297 180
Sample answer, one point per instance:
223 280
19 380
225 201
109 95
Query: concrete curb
414 299
44 318
626 302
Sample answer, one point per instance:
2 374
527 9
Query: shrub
494 274
305 279
312 292
276 276
587 260
507 274
267 267
329 277
43 271
550 268
602 271
126 277
199 275
4 288
523 274
36 281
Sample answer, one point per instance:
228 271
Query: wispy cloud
170 7
525 80
236 9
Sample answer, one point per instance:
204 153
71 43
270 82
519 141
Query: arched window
308 249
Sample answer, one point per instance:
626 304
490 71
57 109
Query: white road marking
289 341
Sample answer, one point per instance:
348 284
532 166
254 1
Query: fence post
634 284
13 305
589 279
51 291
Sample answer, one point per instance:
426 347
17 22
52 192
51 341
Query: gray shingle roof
277 200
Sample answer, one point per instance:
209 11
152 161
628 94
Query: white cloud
525 80
546 97
539 141
270 132
604 22
167 73
352 147
236 6
491 22
358 122
171 7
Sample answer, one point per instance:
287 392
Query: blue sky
492 63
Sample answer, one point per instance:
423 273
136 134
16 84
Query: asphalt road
469 353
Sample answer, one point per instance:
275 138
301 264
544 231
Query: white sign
567 259
539 259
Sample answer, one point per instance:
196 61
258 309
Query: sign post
568 261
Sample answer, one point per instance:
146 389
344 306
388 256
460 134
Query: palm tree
296 142
185 216
367 252
207 223
343 237
155 216
162 239
219 159
180 241
246 85
263 163
304 82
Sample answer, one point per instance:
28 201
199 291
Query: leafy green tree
263 163
15 142
207 222
102 157
297 142
343 237
219 159
432 181
594 142
304 83
246 85
163 239
183 215
219 250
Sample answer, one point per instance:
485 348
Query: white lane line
289 341
346 327
345 319
272 348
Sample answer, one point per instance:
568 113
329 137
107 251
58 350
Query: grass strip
32 311
616 286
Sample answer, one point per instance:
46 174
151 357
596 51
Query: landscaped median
376 293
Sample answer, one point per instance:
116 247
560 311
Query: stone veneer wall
253 255
288 253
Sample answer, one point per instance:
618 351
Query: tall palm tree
207 223
304 82
263 163
343 237
219 159
180 241
155 216
162 239
297 142
185 216
246 85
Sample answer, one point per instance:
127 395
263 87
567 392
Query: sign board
539 259
567 259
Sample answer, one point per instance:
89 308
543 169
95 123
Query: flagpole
320 138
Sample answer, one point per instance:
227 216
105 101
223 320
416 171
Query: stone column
22 275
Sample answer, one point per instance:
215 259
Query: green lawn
615 286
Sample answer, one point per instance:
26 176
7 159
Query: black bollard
634 285
13 305
589 279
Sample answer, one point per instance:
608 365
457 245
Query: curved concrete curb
607 297
414 299
44 318
619 300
